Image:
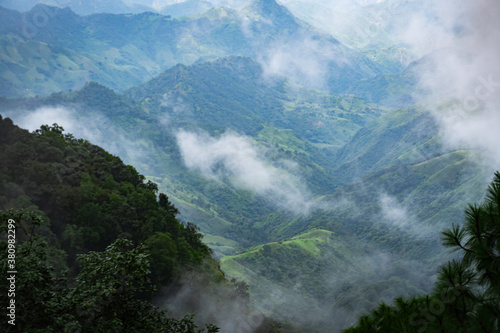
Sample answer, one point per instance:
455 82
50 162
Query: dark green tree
109 294
37 293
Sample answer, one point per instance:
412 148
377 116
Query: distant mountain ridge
279 15
81 7
97 48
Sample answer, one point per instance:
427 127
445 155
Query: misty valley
250 166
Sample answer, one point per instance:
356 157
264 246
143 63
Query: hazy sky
85 124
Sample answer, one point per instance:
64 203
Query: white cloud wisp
233 157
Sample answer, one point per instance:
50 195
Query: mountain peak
266 4
270 9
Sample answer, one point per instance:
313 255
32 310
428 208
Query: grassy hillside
326 281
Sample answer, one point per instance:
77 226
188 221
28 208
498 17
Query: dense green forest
94 240
466 295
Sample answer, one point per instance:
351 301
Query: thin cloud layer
395 214
235 159
463 40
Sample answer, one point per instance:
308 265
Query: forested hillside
94 240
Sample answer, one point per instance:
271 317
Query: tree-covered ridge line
466 295
99 240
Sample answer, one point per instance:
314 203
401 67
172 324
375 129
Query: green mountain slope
230 93
68 197
410 188
394 90
400 137
326 279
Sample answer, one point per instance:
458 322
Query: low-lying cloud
235 159
395 214
91 126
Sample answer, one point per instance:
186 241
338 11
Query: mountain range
93 48
307 163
